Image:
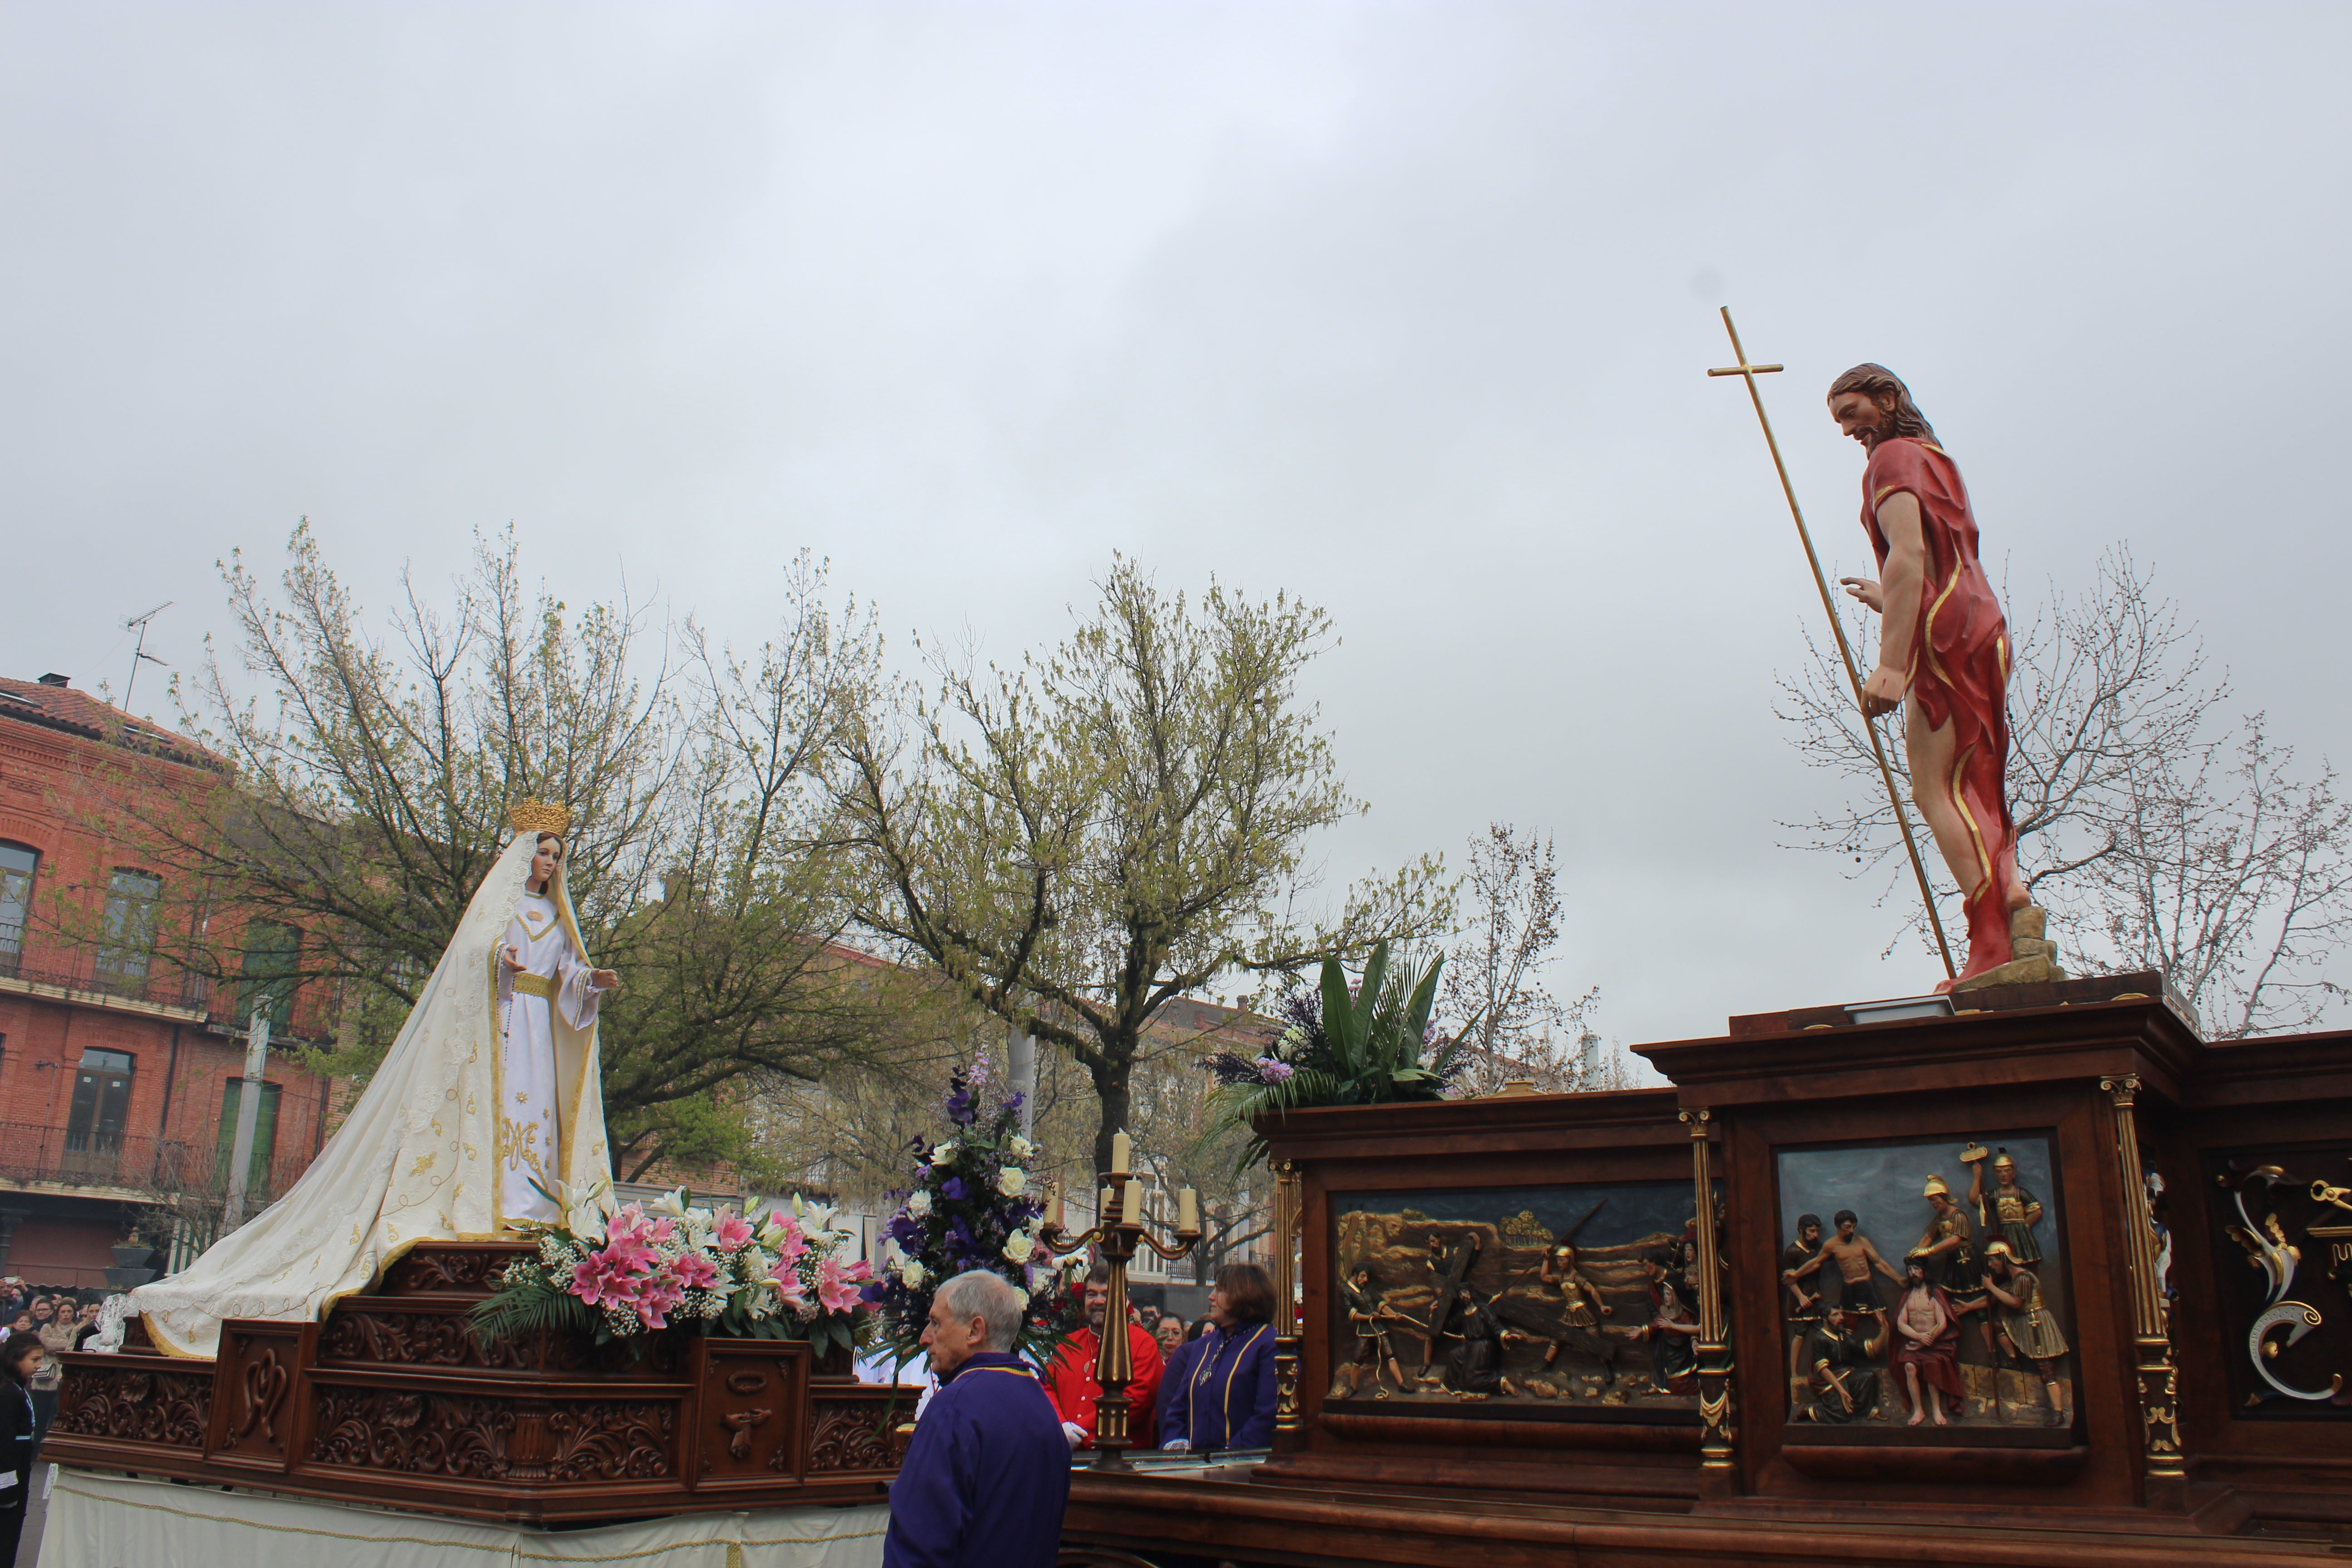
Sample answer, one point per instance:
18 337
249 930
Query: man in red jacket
1070 1379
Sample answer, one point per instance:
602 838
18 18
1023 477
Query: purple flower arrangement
970 1205
1301 1044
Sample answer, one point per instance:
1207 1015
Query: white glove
1174 1445
1074 1433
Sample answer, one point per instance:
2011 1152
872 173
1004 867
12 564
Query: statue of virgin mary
486 1106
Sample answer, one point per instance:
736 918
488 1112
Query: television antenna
139 623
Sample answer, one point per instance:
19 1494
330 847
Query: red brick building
121 1065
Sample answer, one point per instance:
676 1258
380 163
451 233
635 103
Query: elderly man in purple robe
988 1474
1217 1393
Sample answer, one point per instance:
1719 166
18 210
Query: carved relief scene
1921 1284
2285 1260
1575 1302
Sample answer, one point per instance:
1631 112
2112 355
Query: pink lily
835 1291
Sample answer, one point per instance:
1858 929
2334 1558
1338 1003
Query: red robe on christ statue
1959 674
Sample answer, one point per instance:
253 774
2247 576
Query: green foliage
1115 824
370 761
530 1304
699 1131
1372 1049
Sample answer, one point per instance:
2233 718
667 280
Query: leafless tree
2157 832
1494 977
2233 877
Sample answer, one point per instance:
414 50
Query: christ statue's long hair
1871 381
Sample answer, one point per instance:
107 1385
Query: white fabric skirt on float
114 1522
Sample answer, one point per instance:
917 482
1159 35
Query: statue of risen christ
1943 658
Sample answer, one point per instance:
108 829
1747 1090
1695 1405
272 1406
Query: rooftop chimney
54 679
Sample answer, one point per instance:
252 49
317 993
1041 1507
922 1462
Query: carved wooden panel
396 1333
411 1420
2283 1231
848 1435
752 1392
138 1404
257 1391
466 1436
450 1268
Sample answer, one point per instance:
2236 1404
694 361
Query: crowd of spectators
61 1319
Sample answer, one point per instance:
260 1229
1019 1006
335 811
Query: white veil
418 1158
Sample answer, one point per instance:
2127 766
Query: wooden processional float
1662 1324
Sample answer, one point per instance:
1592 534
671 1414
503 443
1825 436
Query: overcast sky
1402 308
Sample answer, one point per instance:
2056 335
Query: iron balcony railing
226 1004
166 1167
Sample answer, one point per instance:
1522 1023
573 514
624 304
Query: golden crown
531 815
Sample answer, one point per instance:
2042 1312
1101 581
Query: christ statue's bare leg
1930 752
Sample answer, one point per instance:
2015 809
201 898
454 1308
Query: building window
102 1106
129 939
17 864
271 952
264 1134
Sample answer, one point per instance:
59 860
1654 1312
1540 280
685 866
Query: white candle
1188 1212
1054 1208
1102 1210
1120 1151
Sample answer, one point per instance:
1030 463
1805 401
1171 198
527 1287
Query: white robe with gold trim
420 1157
529 1084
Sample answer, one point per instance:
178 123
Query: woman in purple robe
1217 1393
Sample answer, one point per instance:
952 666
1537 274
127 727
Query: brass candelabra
1120 1234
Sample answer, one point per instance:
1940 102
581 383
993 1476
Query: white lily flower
944 1154
585 1209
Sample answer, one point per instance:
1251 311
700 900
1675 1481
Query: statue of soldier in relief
1943 657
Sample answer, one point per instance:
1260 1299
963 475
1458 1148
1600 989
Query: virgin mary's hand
604 979
511 958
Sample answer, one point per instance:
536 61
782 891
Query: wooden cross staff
1877 747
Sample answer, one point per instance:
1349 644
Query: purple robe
987 1476
1218 1390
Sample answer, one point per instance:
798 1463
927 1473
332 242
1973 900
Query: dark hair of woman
15 1351
1249 1294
